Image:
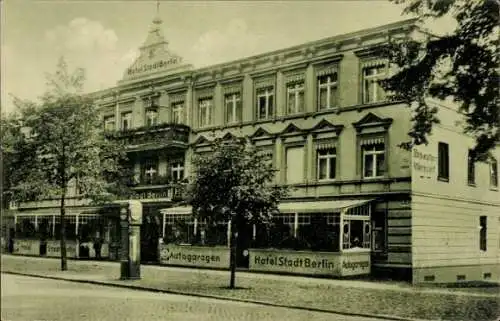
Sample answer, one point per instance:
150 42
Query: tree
461 65
63 142
234 184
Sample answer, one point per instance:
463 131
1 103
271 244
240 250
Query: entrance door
150 233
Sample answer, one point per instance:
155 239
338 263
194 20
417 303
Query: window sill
494 188
356 250
471 184
372 178
443 179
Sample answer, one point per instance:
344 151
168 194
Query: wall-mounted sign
54 249
153 66
208 256
150 194
424 163
27 247
301 262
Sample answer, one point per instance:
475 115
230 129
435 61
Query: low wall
54 249
27 247
310 263
202 256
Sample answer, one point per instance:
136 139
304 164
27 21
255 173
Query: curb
209 296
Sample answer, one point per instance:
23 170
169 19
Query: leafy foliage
234 183
462 65
60 141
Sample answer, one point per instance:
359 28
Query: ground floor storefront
385 236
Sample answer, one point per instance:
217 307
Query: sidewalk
392 300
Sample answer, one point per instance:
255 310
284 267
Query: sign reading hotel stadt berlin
322 263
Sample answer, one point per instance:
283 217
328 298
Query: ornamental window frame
126 120
265 87
370 81
205 104
332 88
109 123
329 158
233 105
372 131
295 93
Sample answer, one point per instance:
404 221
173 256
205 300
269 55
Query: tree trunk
64 259
232 255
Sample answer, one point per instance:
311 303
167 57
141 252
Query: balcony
157 188
153 137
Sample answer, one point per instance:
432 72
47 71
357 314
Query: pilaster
247 95
280 94
310 90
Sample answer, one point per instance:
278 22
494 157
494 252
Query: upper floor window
443 161
152 102
126 120
471 169
177 170
327 91
151 117
233 107
109 123
372 90
177 112
327 160
149 171
483 233
494 173
373 160
205 107
294 165
265 102
295 97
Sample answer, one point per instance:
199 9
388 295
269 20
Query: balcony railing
153 137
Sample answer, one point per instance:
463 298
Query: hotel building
428 215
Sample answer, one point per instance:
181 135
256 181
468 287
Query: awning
320 206
185 210
292 207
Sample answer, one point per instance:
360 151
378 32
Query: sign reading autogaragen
335 264
194 255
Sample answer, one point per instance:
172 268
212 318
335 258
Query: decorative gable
261 133
372 123
291 129
229 136
325 129
201 140
262 137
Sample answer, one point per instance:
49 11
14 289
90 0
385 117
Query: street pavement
35 299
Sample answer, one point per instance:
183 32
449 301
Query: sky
103 36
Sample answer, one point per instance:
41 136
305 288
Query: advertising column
130 258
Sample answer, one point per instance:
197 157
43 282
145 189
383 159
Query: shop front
332 238
38 233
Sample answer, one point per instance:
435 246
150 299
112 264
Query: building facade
316 109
